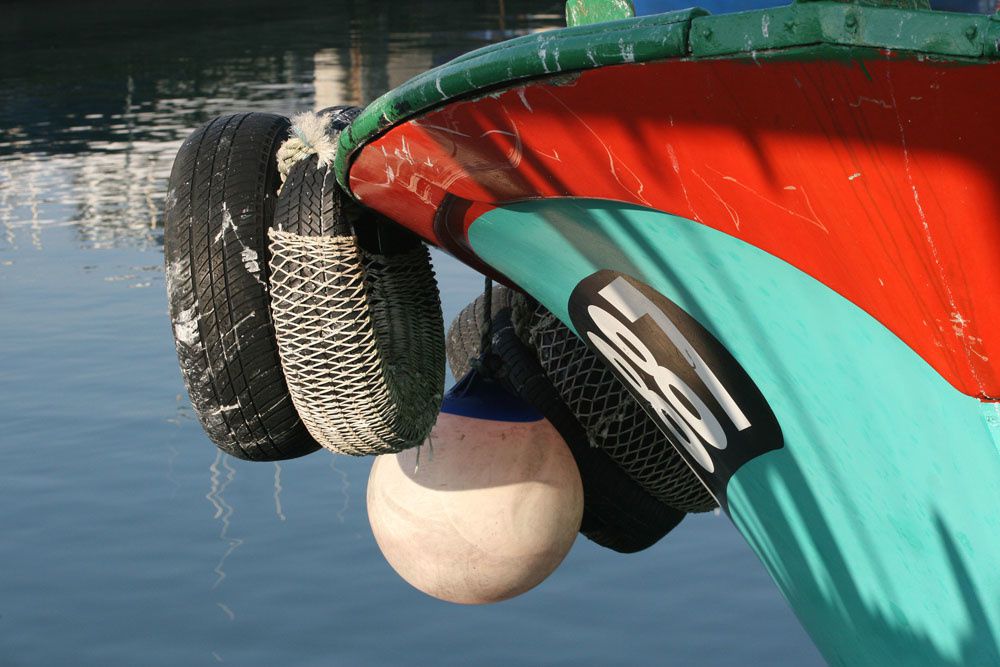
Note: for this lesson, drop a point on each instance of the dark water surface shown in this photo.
(125, 539)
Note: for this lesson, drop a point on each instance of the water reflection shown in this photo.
(345, 484)
(92, 128)
(88, 131)
(277, 492)
(223, 510)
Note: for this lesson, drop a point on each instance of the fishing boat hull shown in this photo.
(786, 250)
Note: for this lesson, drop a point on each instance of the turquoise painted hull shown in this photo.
(877, 518)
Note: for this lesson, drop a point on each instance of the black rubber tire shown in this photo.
(612, 417)
(220, 203)
(629, 436)
(618, 513)
(465, 334)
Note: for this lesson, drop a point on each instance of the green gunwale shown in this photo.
(690, 33)
(553, 52)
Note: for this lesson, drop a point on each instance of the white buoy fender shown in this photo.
(486, 510)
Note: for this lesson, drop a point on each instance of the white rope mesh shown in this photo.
(361, 341)
(613, 419)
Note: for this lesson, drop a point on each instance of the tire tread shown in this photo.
(221, 198)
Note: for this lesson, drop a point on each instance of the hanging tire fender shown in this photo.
(357, 315)
(220, 204)
(618, 513)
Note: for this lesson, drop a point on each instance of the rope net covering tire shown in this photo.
(360, 340)
(613, 419)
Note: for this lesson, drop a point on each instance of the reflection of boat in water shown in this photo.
(790, 212)
(778, 227)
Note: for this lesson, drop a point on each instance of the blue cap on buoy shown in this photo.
(479, 397)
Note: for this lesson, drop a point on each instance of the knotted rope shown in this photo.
(310, 135)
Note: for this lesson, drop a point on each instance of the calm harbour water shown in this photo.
(126, 539)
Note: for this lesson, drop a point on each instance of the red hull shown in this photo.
(879, 179)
